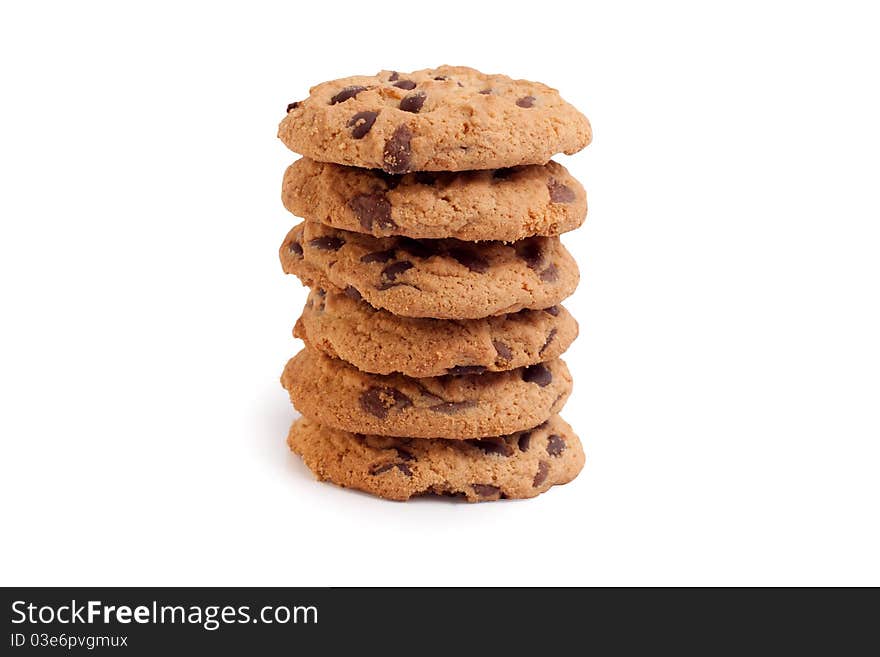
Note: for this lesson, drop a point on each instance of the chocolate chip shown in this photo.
(441, 77)
(392, 271)
(295, 249)
(526, 101)
(361, 123)
(413, 102)
(352, 293)
(403, 454)
(346, 93)
(524, 440)
(327, 243)
(485, 490)
(537, 374)
(439, 492)
(427, 394)
(321, 292)
(385, 467)
(292, 106)
(486, 92)
(394, 76)
(555, 445)
(550, 336)
(451, 408)
(378, 256)
(552, 310)
(503, 351)
(378, 400)
(550, 274)
(469, 259)
(372, 210)
(466, 369)
(492, 446)
(398, 151)
(541, 475)
(560, 193)
(387, 285)
(417, 248)
(531, 251)
(380, 468)
(405, 84)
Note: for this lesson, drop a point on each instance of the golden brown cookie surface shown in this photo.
(451, 118)
(444, 279)
(381, 343)
(501, 204)
(337, 395)
(520, 465)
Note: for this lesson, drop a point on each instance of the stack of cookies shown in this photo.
(433, 328)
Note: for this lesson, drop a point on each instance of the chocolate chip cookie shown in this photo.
(444, 279)
(377, 341)
(337, 395)
(500, 204)
(450, 118)
(520, 465)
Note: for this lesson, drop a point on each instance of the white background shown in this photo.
(726, 376)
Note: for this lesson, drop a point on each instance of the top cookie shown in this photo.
(452, 118)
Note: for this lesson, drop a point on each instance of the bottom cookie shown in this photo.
(521, 465)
